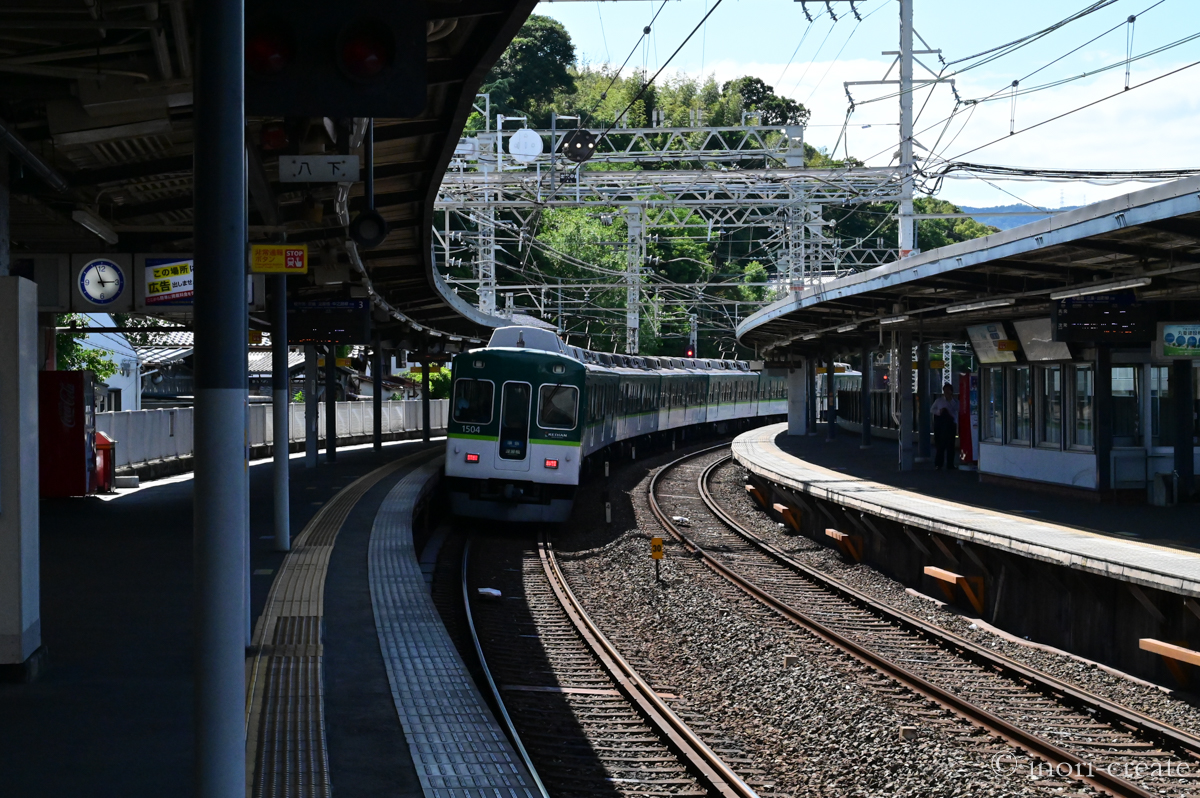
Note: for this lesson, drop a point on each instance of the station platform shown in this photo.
(1156, 547)
(340, 623)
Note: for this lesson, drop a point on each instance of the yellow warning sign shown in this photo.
(656, 548)
(279, 258)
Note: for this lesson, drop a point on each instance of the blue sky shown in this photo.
(1154, 126)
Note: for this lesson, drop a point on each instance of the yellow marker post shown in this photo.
(656, 554)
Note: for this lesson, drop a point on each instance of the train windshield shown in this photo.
(473, 401)
(556, 410)
(514, 421)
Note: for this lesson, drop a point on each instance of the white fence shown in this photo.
(143, 435)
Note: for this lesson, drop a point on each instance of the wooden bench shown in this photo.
(972, 586)
(850, 545)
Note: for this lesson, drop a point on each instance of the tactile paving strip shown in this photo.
(457, 746)
(286, 753)
(1147, 564)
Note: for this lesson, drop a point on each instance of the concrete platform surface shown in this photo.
(1150, 546)
(457, 746)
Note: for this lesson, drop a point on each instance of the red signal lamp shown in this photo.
(365, 50)
(273, 138)
(268, 53)
(690, 352)
(472, 457)
(551, 463)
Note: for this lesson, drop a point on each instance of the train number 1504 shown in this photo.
(471, 430)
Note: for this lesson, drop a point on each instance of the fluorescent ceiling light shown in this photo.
(93, 223)
(810, 336)
(1101, 288)
(847, 327)
(893, 319)
(984, 305)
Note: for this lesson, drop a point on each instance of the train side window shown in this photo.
(557, 406)
(473, 401)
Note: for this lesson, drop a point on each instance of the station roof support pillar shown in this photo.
(221, 488)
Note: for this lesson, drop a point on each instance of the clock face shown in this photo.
(101, 281)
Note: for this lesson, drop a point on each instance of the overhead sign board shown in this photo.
(279, 258)
(334, 321)
(318, 168)
(1037, 340)
(1104, 318)
(1181, 340)
(992, 344)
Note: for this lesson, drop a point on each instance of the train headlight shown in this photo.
(551, 463)
(472, 457)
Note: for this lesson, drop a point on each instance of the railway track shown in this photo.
(1078, 735)
(587, 721)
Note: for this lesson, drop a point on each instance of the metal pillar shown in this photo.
(904, 386)
(830, 394)
(311, 406)
(865, 383)
(331, 403)
(924, 403)
(1103, 417)
(1183, 393)
(810, 377)
(20, 611)
(281, 411)
(487, 257)
(220, 489)
(425, 429)
(636, 222)
(377, 393)
(908, 238)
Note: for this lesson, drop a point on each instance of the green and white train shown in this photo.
(528, 409)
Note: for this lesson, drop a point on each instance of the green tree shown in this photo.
(72, 355)
(534, 68)
(758, 96)
(439, 383)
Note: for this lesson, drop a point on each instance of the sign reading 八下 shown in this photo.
(279, 258)
(1180, 340)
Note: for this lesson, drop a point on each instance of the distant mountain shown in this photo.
(1005, 222)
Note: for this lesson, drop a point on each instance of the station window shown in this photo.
(1021, 406)
(1050, 406)
(993, 404)
(556, 406)
(1162, 419)
(1083, 394)
(473, 401)
(1126, 404)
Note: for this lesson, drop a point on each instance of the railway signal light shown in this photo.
(689, 352)
(578, 145)
(352, 58)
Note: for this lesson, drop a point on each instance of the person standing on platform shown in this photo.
(945, 425)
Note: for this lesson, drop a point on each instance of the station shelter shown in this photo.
(1083, 370)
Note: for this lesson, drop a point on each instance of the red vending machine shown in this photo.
(66, 433)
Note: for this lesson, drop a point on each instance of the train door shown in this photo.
(512, 454)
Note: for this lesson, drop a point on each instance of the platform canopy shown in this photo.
(1148, 241)
(96, 112)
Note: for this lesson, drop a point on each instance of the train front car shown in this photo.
(513, 443)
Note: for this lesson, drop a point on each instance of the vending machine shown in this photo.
(66, 433)
(968, 420)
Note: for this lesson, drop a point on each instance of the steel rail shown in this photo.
(1013, 735)
(1174, 737)
(706, 764)
(487, 672)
